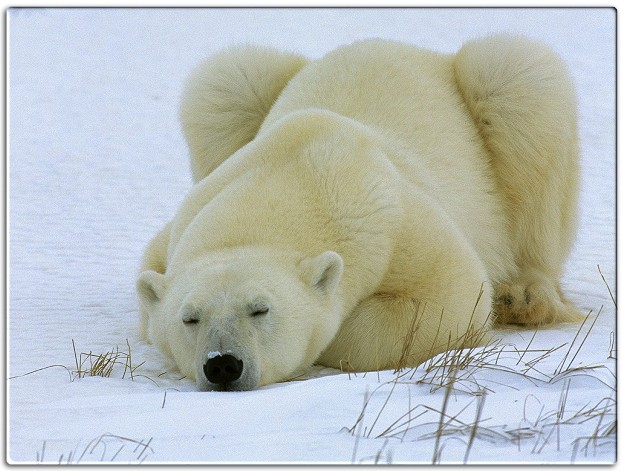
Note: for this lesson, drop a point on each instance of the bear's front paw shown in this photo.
(532, 301)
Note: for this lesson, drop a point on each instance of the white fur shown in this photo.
(376, 203)
(226, 99)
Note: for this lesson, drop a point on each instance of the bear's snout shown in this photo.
(222, 369)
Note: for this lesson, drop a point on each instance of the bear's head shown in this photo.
(239, 321)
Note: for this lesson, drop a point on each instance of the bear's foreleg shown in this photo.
(435, 297)
(154, 259)
(390, 331)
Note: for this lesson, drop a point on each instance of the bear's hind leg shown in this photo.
(226, 99)
(521, 98)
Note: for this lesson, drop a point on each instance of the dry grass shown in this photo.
(107, 448)
(102, 364)
(98, 364)
(456, 372)
(531, 435)
(410, 336)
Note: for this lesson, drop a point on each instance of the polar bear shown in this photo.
(363, 211)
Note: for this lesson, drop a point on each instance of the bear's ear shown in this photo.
(150, 287)
(323, 272)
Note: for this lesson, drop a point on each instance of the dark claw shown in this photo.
(507, 300)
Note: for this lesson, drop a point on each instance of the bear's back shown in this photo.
(409, 96)
(405, 92)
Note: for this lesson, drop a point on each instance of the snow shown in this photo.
(97, 164)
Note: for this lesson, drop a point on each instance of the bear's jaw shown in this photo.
(226, 387)
(232, 386)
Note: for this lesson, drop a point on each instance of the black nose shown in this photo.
(223, 369)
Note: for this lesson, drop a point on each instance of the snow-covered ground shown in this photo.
(97, 164)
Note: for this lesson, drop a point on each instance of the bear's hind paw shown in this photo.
(532, 303)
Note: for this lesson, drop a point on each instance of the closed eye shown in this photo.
(190, 316)
(260, 312)
(258, 307)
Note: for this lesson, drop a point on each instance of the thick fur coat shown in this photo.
(364, 211)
